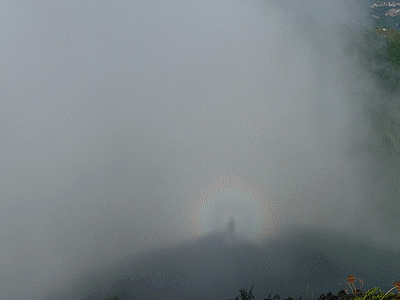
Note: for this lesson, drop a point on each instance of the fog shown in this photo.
(136, 126)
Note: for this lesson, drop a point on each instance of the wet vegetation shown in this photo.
(356, 294)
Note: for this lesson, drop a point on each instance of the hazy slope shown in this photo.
(208, 268)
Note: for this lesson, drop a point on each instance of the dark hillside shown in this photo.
(209, 269)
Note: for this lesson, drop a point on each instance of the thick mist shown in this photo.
(132, 126)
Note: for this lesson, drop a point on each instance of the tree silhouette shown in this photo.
(244, 294)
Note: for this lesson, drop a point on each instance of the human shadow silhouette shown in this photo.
(230, 235)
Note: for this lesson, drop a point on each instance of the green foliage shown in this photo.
(277, 297)
(328, 296)
(393, 40)
(372, 294)
(388, 59)
(378, 53)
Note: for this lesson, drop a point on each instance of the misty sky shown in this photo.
(143, 124)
